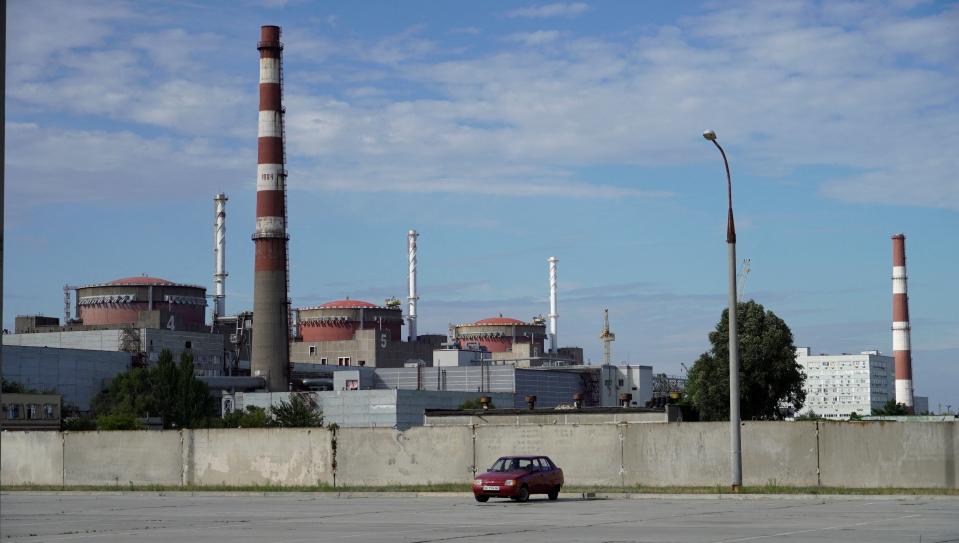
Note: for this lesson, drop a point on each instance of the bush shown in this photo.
(474, 404)
(253, 417)
(78, 424)
(296, 413)
(119, 421)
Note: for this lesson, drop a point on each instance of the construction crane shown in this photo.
(607, 337)
(741, 280)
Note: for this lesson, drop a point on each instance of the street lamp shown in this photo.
(735, 443)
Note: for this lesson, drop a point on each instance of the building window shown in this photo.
(620, 382)
(33, 411)
(343, 361)
(14, 411)
(362, 363)
(312, 350)
(323, 360)
(48, 411)
(188, 345)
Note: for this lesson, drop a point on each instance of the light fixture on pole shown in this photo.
(735, 442)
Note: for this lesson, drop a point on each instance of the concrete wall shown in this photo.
(883, 454)
(889, 454)
(31, 458)
(259, 456)
(588, 454)
(122, 458)
(418, 456)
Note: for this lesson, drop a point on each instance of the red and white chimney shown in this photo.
(271, 326)
(901, 349)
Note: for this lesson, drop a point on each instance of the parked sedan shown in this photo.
(516, 477)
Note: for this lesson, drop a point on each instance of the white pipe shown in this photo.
(411, 246)
(553, 315)
(219, 252)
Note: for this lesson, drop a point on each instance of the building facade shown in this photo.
(839, 385)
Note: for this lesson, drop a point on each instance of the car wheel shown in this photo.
(553, 494)
(523, 494)
(481, 499)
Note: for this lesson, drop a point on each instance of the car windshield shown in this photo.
(512, 464)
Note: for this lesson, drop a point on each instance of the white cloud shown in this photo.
(561, 9)
(534, 38)
(52, 164)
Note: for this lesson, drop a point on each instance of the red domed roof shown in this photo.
(141, 280)
(499, 320)
(348, 304)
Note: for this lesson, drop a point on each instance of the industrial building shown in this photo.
(29, 411)
(838, 385)
(76, 374)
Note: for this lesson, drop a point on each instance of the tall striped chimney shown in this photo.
(901, 349)
(270, 357)
(411, 249)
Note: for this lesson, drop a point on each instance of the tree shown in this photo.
(296, 413)
(770, 378)
(13, 387)
(167, 390)
(892, 409)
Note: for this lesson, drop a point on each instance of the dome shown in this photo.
(141, 280)
(499, 320)
(348, 304)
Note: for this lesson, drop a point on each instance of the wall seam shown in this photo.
(818, 457)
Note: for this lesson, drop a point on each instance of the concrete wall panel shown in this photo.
(778, 453)
(418, 456)
(682, 454)
(889, 454)
(31, 458)
(259, 456)
(122, 458)
(589, 454)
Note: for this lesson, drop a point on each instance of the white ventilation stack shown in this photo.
(411, 246)
(553, 315)
(219, 253)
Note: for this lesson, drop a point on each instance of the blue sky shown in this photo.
(505, 133)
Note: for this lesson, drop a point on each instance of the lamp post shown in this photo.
(735, 443)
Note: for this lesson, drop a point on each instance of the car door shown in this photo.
(550, 474)
(540, 482)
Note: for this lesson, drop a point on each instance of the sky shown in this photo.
(506, 133)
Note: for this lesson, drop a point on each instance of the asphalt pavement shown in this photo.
(291, 517)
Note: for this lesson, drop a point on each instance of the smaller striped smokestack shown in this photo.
(553, 315)
(901, 348)
(219, 252)
(411, 247)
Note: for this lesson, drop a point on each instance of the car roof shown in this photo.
(524, 456)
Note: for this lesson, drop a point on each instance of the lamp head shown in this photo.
(710, 135)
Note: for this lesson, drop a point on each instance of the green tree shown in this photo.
(770, 378)
(892, 409)
(296, 413)
(13, 387)
(166, 390)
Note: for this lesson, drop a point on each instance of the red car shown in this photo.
(516, 477)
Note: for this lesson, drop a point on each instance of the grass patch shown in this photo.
(465, 487)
